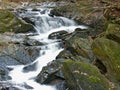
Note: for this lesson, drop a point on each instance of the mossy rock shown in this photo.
(107, 50)
(79, 47)
(82, 76)
(10, 23)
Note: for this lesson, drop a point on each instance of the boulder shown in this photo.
(107, 50)
(77, 48)
(83, 76)
(52, 75)
(14, 54)
(10, 23)
(58, 35)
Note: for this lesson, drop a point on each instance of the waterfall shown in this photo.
(44, 25)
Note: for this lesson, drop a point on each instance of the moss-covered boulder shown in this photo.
(82, 76)
(10, 23)
(107, 50)
(76, 48)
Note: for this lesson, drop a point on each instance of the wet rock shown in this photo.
(107, 48)
(82, 76)
(50, 73)
(10, 23)
(4, 73)
(57, 35)
(11, 86)
(26, 19)
(29, 68)
(31, 42)
(13, 54)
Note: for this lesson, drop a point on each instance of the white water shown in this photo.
(45, 25)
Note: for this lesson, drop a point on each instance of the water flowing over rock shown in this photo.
(21, 55)
(84, 11)
(56, 53)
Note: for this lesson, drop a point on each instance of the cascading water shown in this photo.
(45, 25)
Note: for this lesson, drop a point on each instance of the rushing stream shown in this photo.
(44, 25)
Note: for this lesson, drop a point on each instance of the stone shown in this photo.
(83, 76)
(107, 49)
(50, 73)
(10, 23)
(58, 35)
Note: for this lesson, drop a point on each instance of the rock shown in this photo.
(107, 49)
(10, 23)
(58, 35)
(77, 48)
(31, 42)
(29, 68)
(9, 37)
(26, 19)
(84, 11)
(82, 76)
(50, 73)
(14, 54)
(4, 73)
(8, 86)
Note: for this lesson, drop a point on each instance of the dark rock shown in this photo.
(50, 73)
(35, 9)
(26, 19)
(4, 73)
(32, 42)
(57, 35)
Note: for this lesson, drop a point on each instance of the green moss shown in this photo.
(108, 51)
(10, 23)
(86, 76)
(113, 28)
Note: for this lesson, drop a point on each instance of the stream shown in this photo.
(44, 25)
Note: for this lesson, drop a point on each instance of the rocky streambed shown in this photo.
(91, 56)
